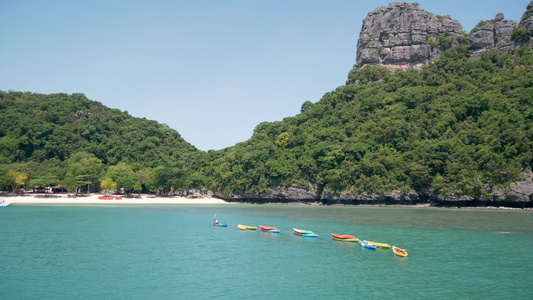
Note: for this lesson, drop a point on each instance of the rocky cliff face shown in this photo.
(492, 34)
(401, 35)
(519, 196)
(527, 19)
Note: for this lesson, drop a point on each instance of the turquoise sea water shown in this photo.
(173, 252)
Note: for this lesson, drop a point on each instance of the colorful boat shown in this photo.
(367, 245)
(220, 225)
(380, 245)
(304, 233)
(344, 238)
(244, 227)
(267, 228)
(399, 252)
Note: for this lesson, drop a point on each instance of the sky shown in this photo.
(210, 69)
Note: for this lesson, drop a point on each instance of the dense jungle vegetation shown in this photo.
(460, 126)
(69, 140)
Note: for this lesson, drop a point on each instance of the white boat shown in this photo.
(4, 203)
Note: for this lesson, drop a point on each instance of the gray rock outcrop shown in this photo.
(278, 194)
(518, 195)
(401, 35)
(492, 34)
(521, 193)
(527, 19)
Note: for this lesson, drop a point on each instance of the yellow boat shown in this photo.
(381, 245)
(244, 227)
(399, 252)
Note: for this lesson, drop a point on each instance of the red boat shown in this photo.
(267, 228)
(344, 238)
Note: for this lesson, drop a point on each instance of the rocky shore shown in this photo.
(519, 195)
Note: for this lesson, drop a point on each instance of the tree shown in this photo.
(83, 169)
(45, 181)
(124, 177)
(143, 177)
(306, 105)
(520, 34)
(283, 139)
(108, 184)
(16, 179)
(161, 180)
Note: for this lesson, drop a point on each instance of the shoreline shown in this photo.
(93, 199)
(177, 200)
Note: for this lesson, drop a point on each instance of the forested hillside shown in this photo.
(460, 126)
(44, 137)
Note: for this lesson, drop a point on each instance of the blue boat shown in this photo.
(220, 225)
(3, 203)
(313, 235)
(273, 231)
(367, 245)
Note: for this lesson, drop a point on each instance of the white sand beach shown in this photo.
(93, 199)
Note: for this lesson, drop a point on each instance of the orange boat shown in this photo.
(399, 252)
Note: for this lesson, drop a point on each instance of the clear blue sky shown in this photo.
(210, 69)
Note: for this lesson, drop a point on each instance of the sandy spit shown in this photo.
(93, 199)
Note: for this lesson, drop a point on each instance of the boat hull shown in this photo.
(367, 245)
(244, 227)
(304, 233)
(220, 225)
(381, 245)
(399, 252)
(344, 238)
(267, 228)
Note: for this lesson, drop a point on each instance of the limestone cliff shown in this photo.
(519, 196)
(527, 19)
(401, 35)
(492, 34)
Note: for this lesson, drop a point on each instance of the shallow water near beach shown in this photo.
(173, 252)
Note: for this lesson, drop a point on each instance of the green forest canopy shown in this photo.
(460, 126)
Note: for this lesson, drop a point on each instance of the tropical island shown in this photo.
(428, 115)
